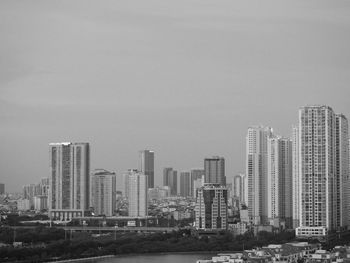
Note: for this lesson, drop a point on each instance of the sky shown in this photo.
(184, 78)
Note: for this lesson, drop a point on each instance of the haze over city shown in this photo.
(182, 78)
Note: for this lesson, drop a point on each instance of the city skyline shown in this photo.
(184, 78)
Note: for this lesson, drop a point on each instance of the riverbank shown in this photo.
(92, 259)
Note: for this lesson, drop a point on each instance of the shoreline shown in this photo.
(138, 254)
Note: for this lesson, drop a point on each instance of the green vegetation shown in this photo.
(84, 245)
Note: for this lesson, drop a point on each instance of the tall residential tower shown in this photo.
(256, 171)
(69, 180)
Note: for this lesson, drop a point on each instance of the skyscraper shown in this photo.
(214, 170)
(170, 179)
(211, 207)
(2, 189)
(279, 181)
(342, 169)
(256, 171)
(69, 180)
(138, 189)
(296, 178)
(103, 192)
(185, 184)
(146, 165)
(323, 154)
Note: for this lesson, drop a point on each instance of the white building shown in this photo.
(296, 178)
(103, 192)
(40, 202)
(323, 154)
(69, 180)
(197, 183)
(256, 171)
(138, 189)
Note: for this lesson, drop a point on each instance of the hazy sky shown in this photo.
(184, 78)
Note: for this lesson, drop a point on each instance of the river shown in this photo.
(158, 258)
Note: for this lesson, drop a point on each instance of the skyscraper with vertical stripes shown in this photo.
(256, 171)
(69, 180)
(323, 168)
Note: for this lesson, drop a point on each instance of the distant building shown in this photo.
(137, 194)
(185, 184)
(214, 170)
(125, 182)
(2, 189)
(23, 205)
(40, 202)
(146, 165)
(196, 173)
(170, 179)
(198, 183)
(211, 207)
(103, 192)
(158, 193)
(69, 180)
(240, 188)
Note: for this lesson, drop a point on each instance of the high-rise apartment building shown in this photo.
(170, 179)
(146, 165)
(323, 167)
(2, 189)
(69, 180)
(342, 170)
(125, 182)
(211, 207)
(185, 184)
(295, 178)
(196, 173)
(240, 188)
(256, 172)
(138, 189)
(103, 192)
(214, 170)
(279, 181)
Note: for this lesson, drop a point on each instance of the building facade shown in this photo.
(256, 171)
(103, 192)
(295, 178)
(240, 188)
(170, 179)
(69, 180)
(185, 184)
(138, 190)
(146, 165)
(323, 168)
(279, 181)
(211, 207)
(196, 173)
(214, 170)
